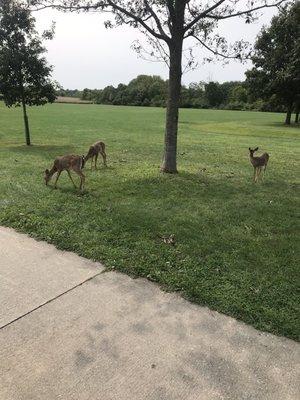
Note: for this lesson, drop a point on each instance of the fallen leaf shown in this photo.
(168, 239)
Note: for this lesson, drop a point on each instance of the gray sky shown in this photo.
(85, 54)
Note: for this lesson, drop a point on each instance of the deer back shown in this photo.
(95, 149)
(259, 161)
(68, 162)
(99, 146)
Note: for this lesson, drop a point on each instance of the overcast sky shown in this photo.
(85, 54)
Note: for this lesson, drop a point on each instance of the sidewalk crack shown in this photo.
(52, 299)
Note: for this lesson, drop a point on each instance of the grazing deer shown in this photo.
(258, 163)
(66, 163)
(94, 150)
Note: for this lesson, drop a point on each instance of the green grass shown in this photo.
(236, 244)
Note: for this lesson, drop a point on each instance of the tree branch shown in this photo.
(156, 19)
(216, 53)
(115, 7)
(206, 13)
(245, 12)
(203, 15)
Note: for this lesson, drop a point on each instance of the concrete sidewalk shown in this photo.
(69, 330)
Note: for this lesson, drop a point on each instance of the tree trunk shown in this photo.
(169, 164)
(27, 133)
(289, 114)
(26, 125)
(297, 114)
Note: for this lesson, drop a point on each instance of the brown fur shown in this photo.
(258, 163)
(66, 163)
(94, 150)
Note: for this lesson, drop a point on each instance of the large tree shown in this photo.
(167, 24)
(277, 61)
(24, 72)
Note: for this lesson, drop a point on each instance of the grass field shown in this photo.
(236, 244)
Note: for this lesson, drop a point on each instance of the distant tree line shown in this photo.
(273, 84)
(152, 91)
(68, 92)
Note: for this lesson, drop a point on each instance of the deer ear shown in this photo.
(249, 148)
(47, 171)
(256, 149)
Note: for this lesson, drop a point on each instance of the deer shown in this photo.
(94, 150)
(258, 162)
(66, 163)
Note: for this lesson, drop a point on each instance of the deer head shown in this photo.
(252, 151)
(47, 176)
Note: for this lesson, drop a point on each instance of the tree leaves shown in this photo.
(24, 71)
(277, 58)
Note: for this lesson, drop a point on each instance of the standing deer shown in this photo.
(66, 163)
(94, 150)
(258, 163)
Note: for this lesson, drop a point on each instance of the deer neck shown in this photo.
(52, 171)
(252, 159)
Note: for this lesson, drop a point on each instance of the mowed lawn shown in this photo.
(236, 246)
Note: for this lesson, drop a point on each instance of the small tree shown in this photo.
(277, 60)
(24, 72)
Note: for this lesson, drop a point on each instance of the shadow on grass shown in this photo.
(149, 202)
(68, 188)
(189, 123)
(283, 125)
(56, 150)
(100, 168)
(63, 188)
(197, 185)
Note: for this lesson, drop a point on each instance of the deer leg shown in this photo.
(104, 157)
(57, 176)
(70, 176)
(92, 162)
(264, 171)
(259, 172)
(254, 175)
(82, 178)
(96, 158)
(82, 181)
